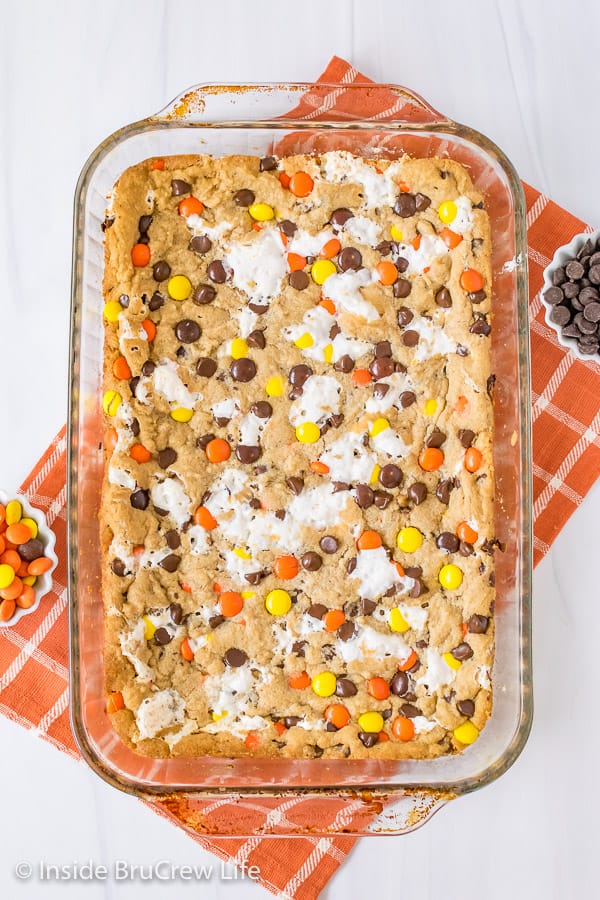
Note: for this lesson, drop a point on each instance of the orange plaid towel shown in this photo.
(566, 414)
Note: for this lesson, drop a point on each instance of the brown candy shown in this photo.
(161, 270)
(350, 258)
(245, 197)
(299, 280)
(216, 272)
(345, 688)
(328, 544)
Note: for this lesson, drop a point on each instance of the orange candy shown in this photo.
(26, 598)
(361, 377)
(190, 206)
(121, 369)
(378, 688)
(337, 714)
(450, 238)
(329, 305)
(39, 566)
(471, 281)
(369, 540)
(186, 650)
(286, 567)
(11, 558)
(403, 728)
(18, 533)
(416, 243)
(330, 249)
(2, 545)
(403, 187)
(299, 682)
(110, 440)
(382, 737)
(465, 533)
(431, 459)
(140, 255)
(409, 662)
(230, 603)
(252, 742)
(13, 590)
(296, 262)
(157, 165)
(2, 513)
(333, 619)
(114, 702)
(218, 450)
(279, 727)
(301, 184)
(473, 459)
(386, 272)
(140, 453)
(22, 570)
(319, 467)
(284, 178)
(205, 518)
(7, 610)
(150, 329)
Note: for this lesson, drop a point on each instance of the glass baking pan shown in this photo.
(388, 797)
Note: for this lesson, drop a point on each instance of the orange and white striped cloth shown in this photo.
(566, 452)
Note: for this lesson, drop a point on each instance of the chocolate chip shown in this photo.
(176, 611)
(298, 280)
(216, 272)
(422, 202)
(317, 611)
(351, 565)
(166, 457)
(574, 270)
(477, 296)
(247, 453)
(335, 420)
(591, 312)
(382, 499)
(404, 316)
(206, 367)
(402, 287)
(588, 349)
(443, 298)
(133, 384)
(117, 565)
(594, 274)
(156, 301)
(417, 492)
(173, 540)
(290, 721)
(367, 607)
(344, 687)
(442, 492)
(256, 338)
(299, 374)
(585, 326)
(589, 295)
(179, 187)
(245, 197)
(243, 369)
(480, 325)
(435, 439)
(410, 711)
(405, 205)
(461, 350)
(295, 484)
(258, 308)
(571, 290)
(161, 270)
(364, 496)
(399, 684)
(381, 367)
(254, 577)
(148, 368)
(477, 624)
(390, 476)
(560, 315)
(558, 276)
(407, 398)
(267, 164)
(139, 499)
(162, 637)
(187, 331)
(380, 390)
(262, 409)
(328, 544)
(170, 563)
(466, 708)
(144, 223)
(234, 657)
(298, 647)
(344, 364)
(447, 541)
(466, 437)
(201, 243)
(135, 425)
(466, 549)
(463, 651)
(288, 228)
(368, 738)
(311, 561)
(347, 631)
(215, 621)
(340, 216)
(410, 338)
(350, 258)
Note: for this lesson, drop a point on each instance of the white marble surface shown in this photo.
(523, 73)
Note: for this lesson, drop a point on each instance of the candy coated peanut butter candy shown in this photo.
(278, 602)
(371, 722)
(14, 512)
(450, 577)
(7, 575)
(324, 684)
(179, 287)
(467, 733)
(409, 539)
(111, 402)
(261, 212)
(112, 311)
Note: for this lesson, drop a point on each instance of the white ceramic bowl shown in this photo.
(48, 539)
(562, 255)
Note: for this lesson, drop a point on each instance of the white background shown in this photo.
(524, 73)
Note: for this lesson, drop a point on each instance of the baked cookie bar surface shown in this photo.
(297, 509)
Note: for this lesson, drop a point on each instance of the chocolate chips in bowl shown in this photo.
(571, 295)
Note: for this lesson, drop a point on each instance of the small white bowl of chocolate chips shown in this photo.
(571, 296)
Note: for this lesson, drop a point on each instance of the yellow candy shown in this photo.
(371, 722)
(112, 311)
(321, 270)
(430, 407)
(247, 595)
(32, 525)
(409, 539)
(149, 628)
(14, 511)
(181, 414)
(396, 620)
(261, 212)
(179, 287)
(450, 577)
(378, 426)
(278, 602)
(29, 580)
(239, 348)
(275, 386)
(328, 353)
(243, 554)
(111, 402)
(7, 576)
(305, 341)
(447, 211)
(452, 662)
(375, 473)
(324, 684)
(308, 432)
(396, 234)
(466, 733)
(216, 716)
